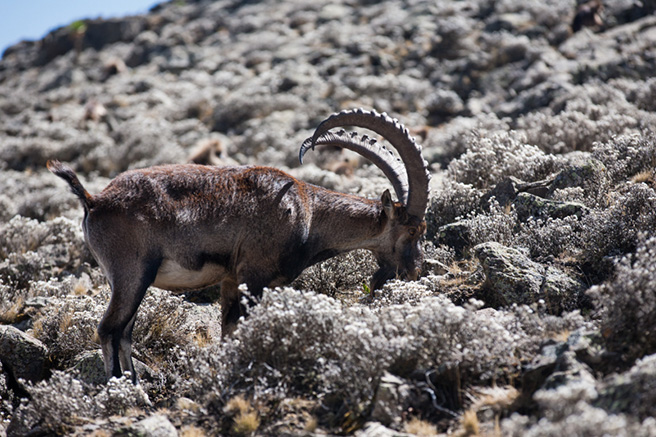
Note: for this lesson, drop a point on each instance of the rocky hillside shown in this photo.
(536, 310)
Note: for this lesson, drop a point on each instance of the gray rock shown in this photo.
(375, 429)
(90, 367)
(560, 291)
(509, 22)
(23, 355)
(528, 205)
(156, 425)
(556, 366)
(577, 175)
(569, 370)
(4, 390)
(539, 369)
(391, 400)
(511, 276)
(506, 191)
(588, 346)
(456, 235)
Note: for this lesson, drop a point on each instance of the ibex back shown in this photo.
(184, 227)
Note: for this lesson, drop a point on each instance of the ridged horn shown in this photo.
(369, 148)
(415, 197)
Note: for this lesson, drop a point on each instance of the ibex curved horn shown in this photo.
(383, 158)
(411, 187)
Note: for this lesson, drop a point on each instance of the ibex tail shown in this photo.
(67, 174)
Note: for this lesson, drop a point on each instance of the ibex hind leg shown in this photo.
(115, 329)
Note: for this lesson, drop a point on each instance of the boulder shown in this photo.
(22, 355)
(528, 205)
(90, 367)
(560, 291)
(509, 188)
(375, 429)
(556, 366)
(512, 277)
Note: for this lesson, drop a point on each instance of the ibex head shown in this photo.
(397, 248)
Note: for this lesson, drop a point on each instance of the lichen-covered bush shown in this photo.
(614, 231)
(454, 138)
(627, 155)
(68, 328)
(497, 225)
(161, 326)
(340, 274)
(587, 114)
(58, 405)
(36, 251)
(582, 420)
(489, 160)
(627, 303)
(551, 237)
(304, 344)
(574, 403)
(449, 201)
(631, 392)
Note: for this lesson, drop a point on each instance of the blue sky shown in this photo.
(32, 19)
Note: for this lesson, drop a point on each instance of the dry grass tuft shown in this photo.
(311, 425)
(246, 424)
(237, 405)
(14, 313)
(66, 322)
(420, 427)
(561, 335)
(646, 176)
(202, 337)
(470, 423)
(246, 420)
(192, 431)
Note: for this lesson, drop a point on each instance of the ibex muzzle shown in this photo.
(184, 227)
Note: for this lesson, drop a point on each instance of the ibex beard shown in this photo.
(185, 227)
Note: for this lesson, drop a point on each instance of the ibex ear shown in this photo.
(388, 204)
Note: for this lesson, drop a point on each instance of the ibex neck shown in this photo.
(342, 222)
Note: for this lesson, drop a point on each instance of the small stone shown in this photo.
(156, 425)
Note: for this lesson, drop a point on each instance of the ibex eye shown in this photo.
(412, 232)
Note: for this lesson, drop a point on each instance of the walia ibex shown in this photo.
(183, 227)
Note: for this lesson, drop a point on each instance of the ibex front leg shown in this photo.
(232, 307)
(115, 329)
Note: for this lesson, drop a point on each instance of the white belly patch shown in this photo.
(172, 276)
